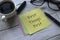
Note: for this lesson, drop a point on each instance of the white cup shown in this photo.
(7, 9)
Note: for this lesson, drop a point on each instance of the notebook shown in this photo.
(33, 21)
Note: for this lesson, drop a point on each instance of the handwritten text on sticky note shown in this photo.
(34, 20)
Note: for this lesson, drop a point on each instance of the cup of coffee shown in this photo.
(7, 9)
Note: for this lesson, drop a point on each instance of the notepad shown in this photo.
(34, 21)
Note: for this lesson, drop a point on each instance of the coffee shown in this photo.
(6, 7)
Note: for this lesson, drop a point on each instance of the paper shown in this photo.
(34, 20)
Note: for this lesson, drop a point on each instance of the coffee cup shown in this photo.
(7, 9)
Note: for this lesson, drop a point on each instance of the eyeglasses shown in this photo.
(52, 4)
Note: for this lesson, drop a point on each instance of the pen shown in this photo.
(21, 7)
(53, 19)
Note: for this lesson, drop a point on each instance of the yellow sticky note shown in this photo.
(34, 20)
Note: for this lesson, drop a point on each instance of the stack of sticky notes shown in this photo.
(34, 21)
